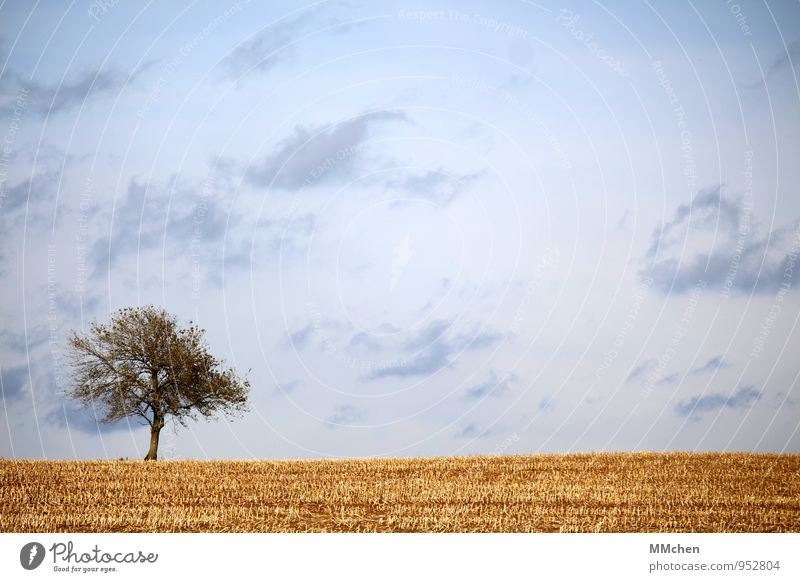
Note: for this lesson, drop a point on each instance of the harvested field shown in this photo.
(606, 492)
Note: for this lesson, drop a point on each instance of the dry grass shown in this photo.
(630, 492)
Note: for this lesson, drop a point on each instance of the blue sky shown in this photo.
(424, 228)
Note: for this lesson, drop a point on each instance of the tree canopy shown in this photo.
(143, 364)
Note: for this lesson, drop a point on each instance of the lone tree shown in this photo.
(143, 364)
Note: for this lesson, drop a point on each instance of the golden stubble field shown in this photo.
(615, 492)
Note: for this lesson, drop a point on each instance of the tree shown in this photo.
(142, 364)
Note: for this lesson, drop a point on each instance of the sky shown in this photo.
(419, 228)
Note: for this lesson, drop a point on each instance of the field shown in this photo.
(615, 492)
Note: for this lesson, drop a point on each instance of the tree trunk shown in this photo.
(155, 429)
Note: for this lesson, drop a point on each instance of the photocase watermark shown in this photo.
(501, 447)
(196, 240)
(168, 440)
(82, 236)
(521, 107)
(316, 174)
(183, 52)
(546, 264)
(744, 226)
(569, 20)
(777, 305)
(330, 347)
(680, 332)
(329, 163)
(741, 20)
(6, 151)
(678, 113)
(476, 18)
(627, 326)
(31, 555)
(53, 337)
(498, 450)
(100, 8)
(69, 560)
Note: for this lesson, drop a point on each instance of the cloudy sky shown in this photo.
(424, 227)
